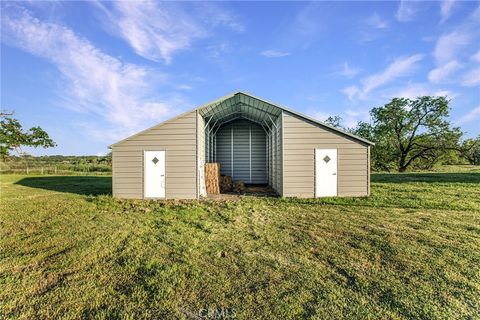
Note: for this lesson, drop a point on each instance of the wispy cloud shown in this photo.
(453, 52)
(274, 53)
(446, 7)
(448, 45)
(93, 81)
(184, 87)
(372, 28)
(400, 67)
(375, 21)
(218, 49)
(352, 117)
(319, 115)
(158, 30)
(351, 92)
(471, 78)
(440, 73)
(407, 10)
(476, 56)
(307, 25)
(472, 115)
(415, 90)
(347, 71)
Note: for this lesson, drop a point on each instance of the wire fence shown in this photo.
(56, 170)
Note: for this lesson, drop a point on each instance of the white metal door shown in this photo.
(154, 174)
(325, 172)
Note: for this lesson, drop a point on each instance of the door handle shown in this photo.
(334, 174)
(162, 175)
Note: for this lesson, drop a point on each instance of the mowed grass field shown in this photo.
(410, 251)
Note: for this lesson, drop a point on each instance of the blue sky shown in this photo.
(92, 73)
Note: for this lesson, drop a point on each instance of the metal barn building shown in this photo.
(255, 141)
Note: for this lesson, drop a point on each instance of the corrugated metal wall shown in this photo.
(259, 155)
(248, 148)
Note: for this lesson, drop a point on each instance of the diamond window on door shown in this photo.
(326, 159)
(155, 160)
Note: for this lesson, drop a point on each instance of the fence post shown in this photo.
(55, 169)
(42, 170)
(27, 170)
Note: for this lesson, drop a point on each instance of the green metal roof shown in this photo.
(241, 105)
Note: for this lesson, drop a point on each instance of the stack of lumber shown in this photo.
(226, 184)
(212, 178)
(239, 187)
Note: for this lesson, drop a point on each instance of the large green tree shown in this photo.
(407, 131)
(470, 150)
(13, 136)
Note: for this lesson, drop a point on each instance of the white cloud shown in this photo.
(440, 73)
(351, 92)
(349, 117)
(448, 45)
(352, 117)
(446, 7)
(456, 46)
(400, 67)
(158, 30)
(319, 115)
(406, 11)
(476, 57)
(184, 87)
(471, 78)
(474, 114)
(348, 71)
(377, 22)
(216, 50)
(415, 90)
(93, 82)
(273, 53)
(216, 16)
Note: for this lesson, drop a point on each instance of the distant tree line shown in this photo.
(57, 163)
(414, 133)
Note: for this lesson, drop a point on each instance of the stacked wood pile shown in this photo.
(212, 178)
(226, 184)
(239, 187)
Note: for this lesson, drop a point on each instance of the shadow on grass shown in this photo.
(429, 177)
(87, 185)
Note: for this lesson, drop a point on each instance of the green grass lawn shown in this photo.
(410, 251)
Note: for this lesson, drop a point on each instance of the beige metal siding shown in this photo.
(178, 138)
(301, 138)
